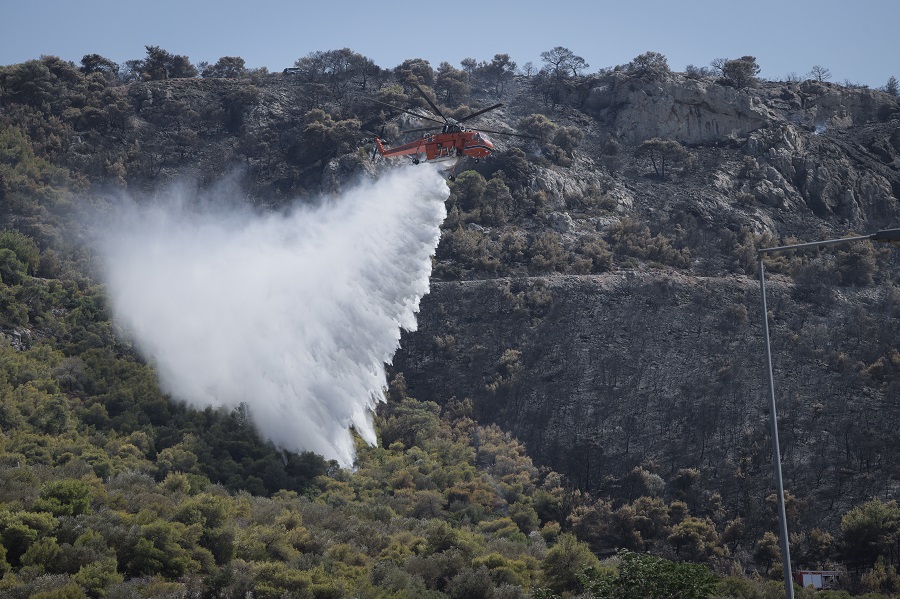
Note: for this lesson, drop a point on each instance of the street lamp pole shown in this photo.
(776, 450)
(886, 235)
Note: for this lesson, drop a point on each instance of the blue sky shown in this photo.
(857, 41)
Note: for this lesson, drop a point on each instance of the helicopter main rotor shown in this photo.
(446, 122)
(448, 125)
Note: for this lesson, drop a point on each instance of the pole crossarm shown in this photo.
(887, 236)
(884, 236)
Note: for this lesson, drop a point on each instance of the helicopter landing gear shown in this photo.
(415, 161)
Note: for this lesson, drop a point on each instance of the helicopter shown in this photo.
(454, 142)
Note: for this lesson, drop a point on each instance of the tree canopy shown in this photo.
(563, 63)
(741, 72)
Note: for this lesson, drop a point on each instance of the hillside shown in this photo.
(594, 306)
(659, 361)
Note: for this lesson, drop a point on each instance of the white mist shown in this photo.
(293, 314)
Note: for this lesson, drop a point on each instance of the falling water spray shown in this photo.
(292, 314)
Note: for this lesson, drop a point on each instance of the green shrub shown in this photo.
(65, 498)
(565, 564)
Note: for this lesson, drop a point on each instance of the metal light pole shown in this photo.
(886, 235)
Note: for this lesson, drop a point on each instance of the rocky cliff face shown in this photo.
(850, 172)
(702, 111)
(687, 110)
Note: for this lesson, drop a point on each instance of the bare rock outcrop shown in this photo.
(828, 105)
(690, 111)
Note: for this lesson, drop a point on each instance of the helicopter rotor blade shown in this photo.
(430, 103)
(419, 129)
(509, 134)
(427, 118)
(482, 111)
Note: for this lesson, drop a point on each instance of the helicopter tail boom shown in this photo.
(413, 147)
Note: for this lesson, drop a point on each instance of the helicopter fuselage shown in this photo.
(452, 142)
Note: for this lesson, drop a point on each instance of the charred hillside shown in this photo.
(657, 364)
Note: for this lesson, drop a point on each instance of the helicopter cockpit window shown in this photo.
(477, 136)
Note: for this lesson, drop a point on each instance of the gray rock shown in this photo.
(687, 110)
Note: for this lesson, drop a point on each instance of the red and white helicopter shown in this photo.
(454, 142)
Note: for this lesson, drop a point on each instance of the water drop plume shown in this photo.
(293, 314)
